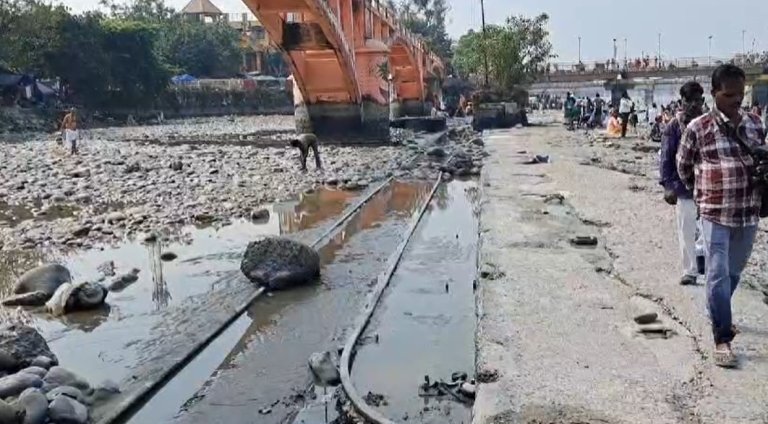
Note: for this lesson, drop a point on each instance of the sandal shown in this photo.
(726, 358)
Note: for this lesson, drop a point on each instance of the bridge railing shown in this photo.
(651, 65)
(389, 15)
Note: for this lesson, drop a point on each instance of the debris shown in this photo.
(584, 241)
(646, 318)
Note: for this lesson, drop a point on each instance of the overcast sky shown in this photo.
(684, 24)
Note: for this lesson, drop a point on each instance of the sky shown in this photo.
(684, 25)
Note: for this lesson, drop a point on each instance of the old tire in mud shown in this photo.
(280, 263)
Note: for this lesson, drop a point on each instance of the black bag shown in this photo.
(757, 157)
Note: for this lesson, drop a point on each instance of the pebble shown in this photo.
(13, 385)
(165, 170)
(35, 406)
(59, 376)
(42, 362)
(38, 371)
(68, 410)
(9, 414)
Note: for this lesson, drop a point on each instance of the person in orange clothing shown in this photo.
(614, 125)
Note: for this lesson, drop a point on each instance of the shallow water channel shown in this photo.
(424, 324)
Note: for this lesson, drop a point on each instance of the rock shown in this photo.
(46, 278)
(80, 173)
(86, 296)
(260, 215)
(42, 362)
(478, 142)
(324, 369)
(107, 268)
(24, 344)
(280, 263)
(59, 376)
(68, 391)
(7, 362)
(36, 298)
(150, 238)
(177, 165)
(67, 410)
(646, 318)
(123, 281)
(103, 392)
(437, 152)
(468, 390)
(35, 406)
(81, 231)
(14, 384)
(115, 217)
(9, 414)
(168, 256)
(584, 241)
(38, 371)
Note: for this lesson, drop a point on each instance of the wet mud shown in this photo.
(425, 322)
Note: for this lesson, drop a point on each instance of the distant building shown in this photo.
(202, 10)
(258, 54)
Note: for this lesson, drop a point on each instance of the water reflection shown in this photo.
(12, 215)
(106, 343)
(160, 293)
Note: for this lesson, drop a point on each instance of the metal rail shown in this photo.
(125, 409)
(358, 402)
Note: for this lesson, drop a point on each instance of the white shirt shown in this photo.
(625, 106)
(652, 114)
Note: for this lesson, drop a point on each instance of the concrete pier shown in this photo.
(366, 122)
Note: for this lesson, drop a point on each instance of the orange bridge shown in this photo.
(353, 65)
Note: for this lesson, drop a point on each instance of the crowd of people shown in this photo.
(714, 172)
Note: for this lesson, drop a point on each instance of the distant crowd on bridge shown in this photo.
(648, 63)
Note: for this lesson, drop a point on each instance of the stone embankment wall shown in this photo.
(181, 102)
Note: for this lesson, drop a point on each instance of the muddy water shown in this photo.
(114, 342)
(261, 363)
(425, 322)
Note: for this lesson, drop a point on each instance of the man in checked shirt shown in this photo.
(712, 161)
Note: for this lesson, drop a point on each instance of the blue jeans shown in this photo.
(727, 251)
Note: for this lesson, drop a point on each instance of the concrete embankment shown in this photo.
(556, 336)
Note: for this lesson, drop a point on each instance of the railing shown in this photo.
(652, 64)
(389, 15)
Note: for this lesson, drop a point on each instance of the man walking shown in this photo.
(714, 158)
(69, 128)
(675, 192)
(625, 109)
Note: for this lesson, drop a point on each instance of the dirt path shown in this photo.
(557, 325)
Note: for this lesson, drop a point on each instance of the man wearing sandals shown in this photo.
(713, 160)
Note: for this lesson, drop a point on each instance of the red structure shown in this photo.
(350, 59)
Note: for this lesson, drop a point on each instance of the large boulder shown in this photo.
(24, 344)
(45, 278)
(280, 263)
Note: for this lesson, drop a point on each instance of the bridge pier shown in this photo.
(401, 108)
(368, 121)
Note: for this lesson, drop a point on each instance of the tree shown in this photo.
(515, 51)
(201, 49)
(427, 18)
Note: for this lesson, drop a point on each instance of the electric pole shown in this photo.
(485, 42)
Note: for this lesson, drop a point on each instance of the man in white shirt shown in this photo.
(653, 112)
(625, 109)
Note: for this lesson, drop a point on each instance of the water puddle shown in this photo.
(109, 343)
(260, 361)
(425, 323)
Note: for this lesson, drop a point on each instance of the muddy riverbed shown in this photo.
(203, 190)
(135, 180)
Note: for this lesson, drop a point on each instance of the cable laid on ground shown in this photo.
(358, 402)
(125, 409)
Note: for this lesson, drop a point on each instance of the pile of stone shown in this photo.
(464, 153)
(34, 389)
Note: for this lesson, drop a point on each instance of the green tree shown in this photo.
(515, 51)
(427, 18)
(201, 49)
